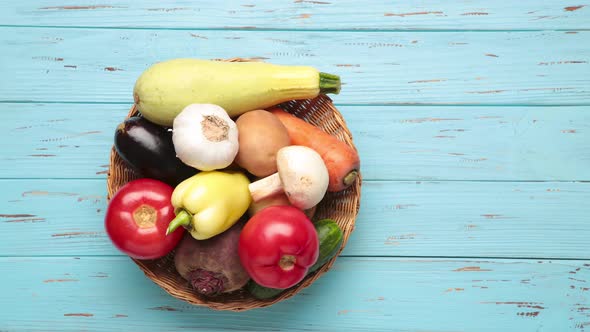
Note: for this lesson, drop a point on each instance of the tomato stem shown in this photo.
(287, 262)
(145, 216)
(183, 218)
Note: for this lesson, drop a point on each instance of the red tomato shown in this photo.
(137, 218)
(277, 246)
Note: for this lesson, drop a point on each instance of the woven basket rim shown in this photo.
(250, 302)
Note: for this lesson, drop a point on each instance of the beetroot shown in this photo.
(212, 266)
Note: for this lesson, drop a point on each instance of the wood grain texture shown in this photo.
(299, 14)
(444, 219)
(394, 142)
(496, 68)
(106, 293)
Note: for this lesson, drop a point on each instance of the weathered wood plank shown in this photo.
(452, 219)
(395, 142)
(105, 293)
(289, 14)
(376, 67)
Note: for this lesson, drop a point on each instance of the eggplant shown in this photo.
(148, 149)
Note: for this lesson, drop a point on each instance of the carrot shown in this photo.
(342, 161)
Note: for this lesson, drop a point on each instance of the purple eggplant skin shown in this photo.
(148, 149)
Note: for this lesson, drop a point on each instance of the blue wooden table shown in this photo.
(472, 119)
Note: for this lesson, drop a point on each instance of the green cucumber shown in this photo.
(330, 238)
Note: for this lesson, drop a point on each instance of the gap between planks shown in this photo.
(129, 103)
(364, 180)
(238, 29)
(473, 259)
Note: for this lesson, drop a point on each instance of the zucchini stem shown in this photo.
(329, 83)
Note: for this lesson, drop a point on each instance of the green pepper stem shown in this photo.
(183, 218)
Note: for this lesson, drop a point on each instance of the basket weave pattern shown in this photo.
(342, 207)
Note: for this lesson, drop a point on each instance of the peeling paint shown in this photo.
(438, 13)
(473, 160)
(112, 69)
(520, 304)
(166, 9)
(573, 8)
(76, 234)
(46, 193)
(60, 280)
(82, 314)
(304, 16)
(42, 155)
(410, 236)
(545, 89)
(70, 66)
(447, 130)
(569, 131)
(100, 275)
(79, 7)
(492, 55)
(404, 206)
(529, 314)
(379, 298)
(71, 136)
(22, 215)
(94, 198)
(120, 316)
(475, 14)
(489, 117)
(429, 81)
(550, 63)
(47, 58)
(313, 2)
(373, 45)
(347, 65)
(26, 220)
(448, 290)
(164, 308)
(493, 216)
(421, 120)
(471, 269)
(486, 91)
(198, 36)
(345, 312)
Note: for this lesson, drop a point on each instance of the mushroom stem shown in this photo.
(266, 187)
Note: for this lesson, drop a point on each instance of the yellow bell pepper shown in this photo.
(209, 203)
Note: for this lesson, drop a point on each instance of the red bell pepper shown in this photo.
(277, 246)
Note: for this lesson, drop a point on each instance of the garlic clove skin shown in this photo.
(205, 137)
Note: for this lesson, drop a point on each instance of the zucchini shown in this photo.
(330, 238)
(165, 88)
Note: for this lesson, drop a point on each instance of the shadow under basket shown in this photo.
(341, 206)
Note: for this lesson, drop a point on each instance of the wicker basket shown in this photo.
(341, 206)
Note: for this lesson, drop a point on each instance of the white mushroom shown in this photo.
(302, 175)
